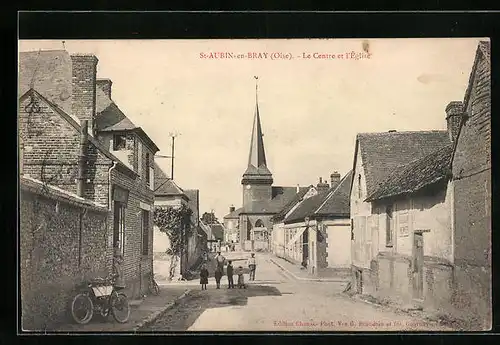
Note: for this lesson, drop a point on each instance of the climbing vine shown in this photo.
(174, 222)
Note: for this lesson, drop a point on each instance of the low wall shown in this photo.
(61, 245)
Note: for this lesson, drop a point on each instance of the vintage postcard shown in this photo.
(255, 185)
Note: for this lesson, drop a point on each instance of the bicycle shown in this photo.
(99, 296)
(153, 286)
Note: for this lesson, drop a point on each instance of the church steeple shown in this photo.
(257, 170)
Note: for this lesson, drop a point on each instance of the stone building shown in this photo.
(471, 168)
(376, 156)
(421, 210)
(73, 136)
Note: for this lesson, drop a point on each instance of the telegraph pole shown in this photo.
(172, 156)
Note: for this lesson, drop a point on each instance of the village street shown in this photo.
(277, 301)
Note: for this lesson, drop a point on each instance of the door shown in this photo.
(418, 265)
(305, 247)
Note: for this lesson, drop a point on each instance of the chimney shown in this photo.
(334, 178)
(80, 186)
(231, 209)
(392, 131)
(322, 186)
(454, 111)
(84, 71)
(105, 85)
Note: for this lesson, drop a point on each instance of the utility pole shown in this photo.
(172, 156)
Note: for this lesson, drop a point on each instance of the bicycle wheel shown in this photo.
(120, 307)
(82, 309)
(154, 288)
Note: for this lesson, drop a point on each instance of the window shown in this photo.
(146, 169)
(389, 227)
(359, 186)
(259, 224)
(145, 232)
(119, 225)
(119, 142)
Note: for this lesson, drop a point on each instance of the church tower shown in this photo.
(257, 180)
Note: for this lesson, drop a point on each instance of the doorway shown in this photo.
(305, 247)
(418, 265)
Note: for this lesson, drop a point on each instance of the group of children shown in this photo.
(239, 273)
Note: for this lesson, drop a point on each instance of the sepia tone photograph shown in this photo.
(277, 185)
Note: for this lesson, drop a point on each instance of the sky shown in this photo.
(311, 108)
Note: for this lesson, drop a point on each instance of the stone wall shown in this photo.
(57, 253)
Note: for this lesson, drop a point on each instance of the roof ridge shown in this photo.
(331, 193)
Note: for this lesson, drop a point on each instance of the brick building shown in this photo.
(73, 136)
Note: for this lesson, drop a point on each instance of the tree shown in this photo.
(175, 222)
(209, 218)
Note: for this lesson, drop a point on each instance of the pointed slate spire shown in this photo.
(257, 156)
(257, 164)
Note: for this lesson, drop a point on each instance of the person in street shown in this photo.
(230, 282)
(203, 277)
(117, 266)
(220, 261)
(218, 276)
(252, 265)
(241, 278)
(205, 256)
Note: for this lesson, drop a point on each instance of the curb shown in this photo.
(156, 315)
(308, 279)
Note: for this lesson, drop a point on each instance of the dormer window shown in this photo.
(119, 142)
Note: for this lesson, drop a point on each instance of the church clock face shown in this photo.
(248, 186)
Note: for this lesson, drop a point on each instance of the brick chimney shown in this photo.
(334, 178)
(322, 186)
(84, 70)
(454, 111)
(105, 85)
(231, 209)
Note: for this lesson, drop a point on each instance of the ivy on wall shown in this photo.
(174, 222)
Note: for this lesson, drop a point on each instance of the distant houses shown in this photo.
(314, 230)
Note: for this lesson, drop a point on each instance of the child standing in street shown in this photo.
(230, 282)
(204, 277)
(241, 279)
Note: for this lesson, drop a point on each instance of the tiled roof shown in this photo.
(281, 196)
(38, 187)
(381, 153)
(298, 196)
(217, 231)
(306, 208)
(49, 73)
(169, 188)
(113, 119)
(416, 175)
(234, 214)
(164, 185)
(336, 203)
